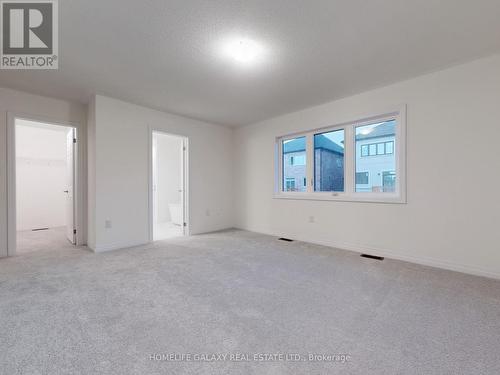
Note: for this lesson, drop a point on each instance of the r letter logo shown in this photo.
(29, 37)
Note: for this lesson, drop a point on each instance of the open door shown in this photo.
(70, 183)
(168, 183)
(182, 189)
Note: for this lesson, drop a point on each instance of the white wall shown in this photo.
(91, 174)
(41, 175)
(169, 158)
(12, 101)
(121, 172)
(453, 211)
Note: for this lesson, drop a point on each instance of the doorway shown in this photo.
(44, 175)
(168, 186)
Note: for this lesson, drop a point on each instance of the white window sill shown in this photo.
(343, 197)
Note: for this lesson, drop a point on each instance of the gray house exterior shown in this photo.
(328, 165)
(294, 165)
(375, 159)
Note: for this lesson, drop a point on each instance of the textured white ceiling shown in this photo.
(164, 54)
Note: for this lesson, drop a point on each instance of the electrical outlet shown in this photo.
(311, 219)
(108, 224)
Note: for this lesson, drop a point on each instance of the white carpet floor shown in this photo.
(166, 230)
(52, 238)
(65, 310)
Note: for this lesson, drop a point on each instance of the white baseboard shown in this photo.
(425, 261)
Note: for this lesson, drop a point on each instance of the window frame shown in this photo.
(349, 194)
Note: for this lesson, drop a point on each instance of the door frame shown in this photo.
(78, 204)
(185, 176)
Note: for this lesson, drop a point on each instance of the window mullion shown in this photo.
(310, 162)
(279, 166)
(349, 160)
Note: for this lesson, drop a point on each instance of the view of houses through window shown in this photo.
(294, 164)
(375, 160)
(329, 161)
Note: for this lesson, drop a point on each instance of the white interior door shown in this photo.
(182, 189)
(70, 183)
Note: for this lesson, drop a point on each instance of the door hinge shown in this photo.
(185, 224)
(183, 148)
(74, 231)
(74, 140)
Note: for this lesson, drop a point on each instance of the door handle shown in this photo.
(66, 191)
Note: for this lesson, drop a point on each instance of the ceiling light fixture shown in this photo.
(243, 51)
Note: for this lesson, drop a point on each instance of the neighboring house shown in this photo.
(294, 165)
(375, 161)
(328, 165)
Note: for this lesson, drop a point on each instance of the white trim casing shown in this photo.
(185, 181)
(11, 184)
(349, 194)
(79, 165)
(309, 164)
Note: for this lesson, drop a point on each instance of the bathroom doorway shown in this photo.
(168, 185)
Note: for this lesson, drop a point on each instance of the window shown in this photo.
(294, 163)
(290, 184)
(329, 161)
(388, 181)
(298, 160)
(380, 148)
(374, 149)
(389, 147)
(357, 161)
(361, 178)
(364, 150)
